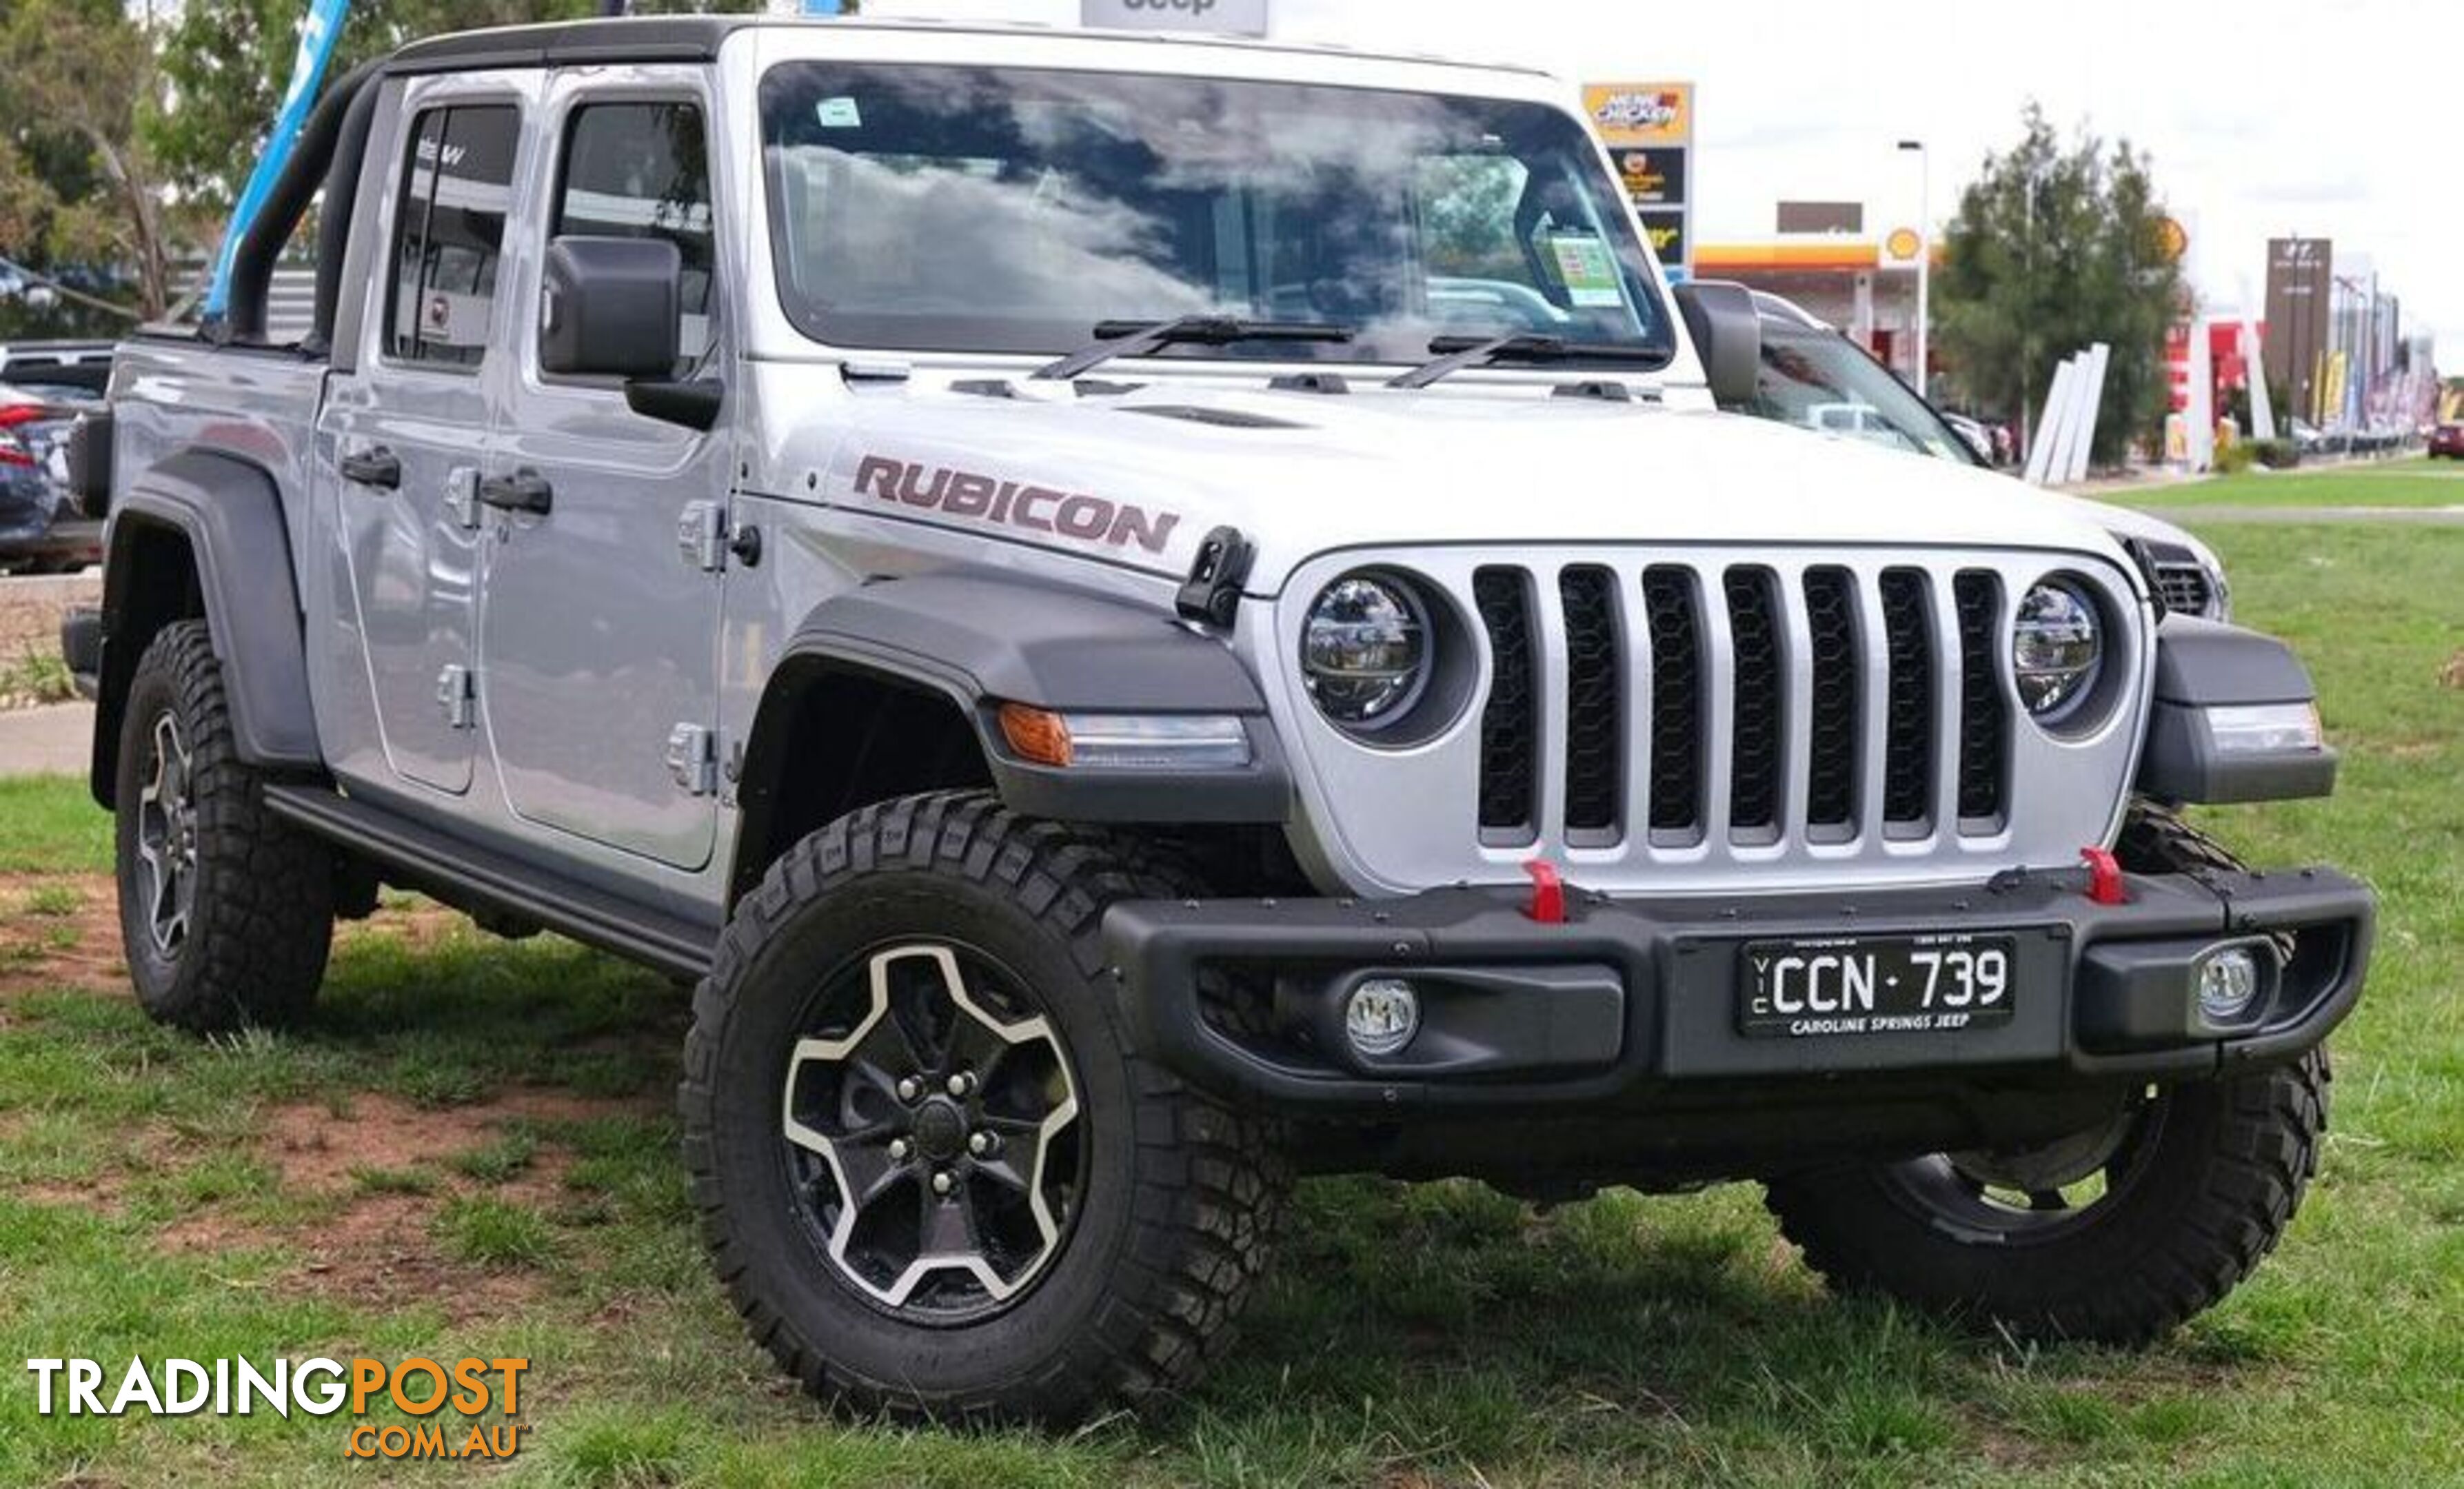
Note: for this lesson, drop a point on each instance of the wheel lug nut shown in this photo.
(909, 1089)
(899, 1150)
(980, 1143)
(942, 1183)
(961, 1084)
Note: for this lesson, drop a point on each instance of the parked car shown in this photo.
(1116, 692)
(1816, 377)
(41, 529)
(2447, 440)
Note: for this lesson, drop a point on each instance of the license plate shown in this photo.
(1853, 987)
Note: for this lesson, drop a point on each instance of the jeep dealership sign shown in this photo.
(1222, 17)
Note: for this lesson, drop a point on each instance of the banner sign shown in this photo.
(1649, 130)
(318, 31)
(2296, 344)
(1216, 17)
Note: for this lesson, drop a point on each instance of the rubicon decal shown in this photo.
(1018, 504)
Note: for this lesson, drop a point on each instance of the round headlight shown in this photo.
(1365, 649)
(2056, 647)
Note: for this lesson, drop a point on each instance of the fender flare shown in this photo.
(979, 640)
(229, 513)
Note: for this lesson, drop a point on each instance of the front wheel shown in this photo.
(932, 1172)
(2115, 1234)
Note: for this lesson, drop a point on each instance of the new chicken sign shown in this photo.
(1649, 130)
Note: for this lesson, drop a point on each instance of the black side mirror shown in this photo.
(1727, 334)
(610, 310)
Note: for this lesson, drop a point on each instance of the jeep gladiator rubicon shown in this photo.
(1142, 615)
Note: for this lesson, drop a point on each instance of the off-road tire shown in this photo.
(261, 923)
(2225, 1174)
(1170, 1236)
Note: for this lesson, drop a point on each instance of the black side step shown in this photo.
(491, 880)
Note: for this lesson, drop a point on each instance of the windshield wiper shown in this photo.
(1455, 353)
(1136, 338)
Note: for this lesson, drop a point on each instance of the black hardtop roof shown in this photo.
(697, 38)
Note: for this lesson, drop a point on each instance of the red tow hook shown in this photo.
(2104, 877)
(1547, 903)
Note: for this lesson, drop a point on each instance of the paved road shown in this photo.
(2193, 516)
(46, 740)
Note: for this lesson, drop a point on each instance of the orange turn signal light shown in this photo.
(1036, 736)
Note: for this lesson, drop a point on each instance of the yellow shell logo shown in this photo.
(1902, 243)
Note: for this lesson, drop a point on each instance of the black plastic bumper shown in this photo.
(1628, 1002)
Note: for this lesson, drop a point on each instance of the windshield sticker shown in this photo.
(839, 113)
(1587, 270)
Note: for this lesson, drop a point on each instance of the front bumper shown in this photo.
(1629, 1003)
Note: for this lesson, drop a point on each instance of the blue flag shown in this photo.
(318, 32)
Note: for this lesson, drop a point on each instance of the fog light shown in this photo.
(1381, 1015)
(2228, 982)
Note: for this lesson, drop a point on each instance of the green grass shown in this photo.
(1411, 1335)
(49, 824)
(2395, 483)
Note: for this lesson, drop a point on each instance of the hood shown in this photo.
(1139, 478)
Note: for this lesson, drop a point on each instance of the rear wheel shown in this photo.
(226, 911)
(933, 1172)
(2113, 1234)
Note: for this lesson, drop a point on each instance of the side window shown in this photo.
(450, 233)
(640, 170)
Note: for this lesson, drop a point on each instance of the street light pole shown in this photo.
(1924, 256)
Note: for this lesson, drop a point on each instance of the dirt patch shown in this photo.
(31, 610)
(318, 1151)
(59, 931)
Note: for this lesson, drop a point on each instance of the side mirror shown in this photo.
(1727, 334)
(609, 309)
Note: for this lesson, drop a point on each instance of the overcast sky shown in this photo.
(2332, 117)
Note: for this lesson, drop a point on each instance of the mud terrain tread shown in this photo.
(265, 928)
(2261, 1150)
(1212, 1182)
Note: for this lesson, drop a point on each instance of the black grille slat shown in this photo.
(1668, 603)
(1509, 780)
(1755, 741)
(1908, 699)
(2184, 587)
(1836, 743)
(1983, 726)
(1595, 706)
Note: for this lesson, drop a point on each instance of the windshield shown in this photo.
(957, 209)
(1820, 380)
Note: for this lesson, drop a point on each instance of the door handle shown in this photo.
(374, 466)
(524, 490)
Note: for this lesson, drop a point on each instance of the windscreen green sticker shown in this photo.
(839, 113)
(1588, 271)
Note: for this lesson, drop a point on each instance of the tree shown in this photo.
(228, 63)
(2053, 248)
(79, 183)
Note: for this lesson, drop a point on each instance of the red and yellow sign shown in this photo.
(1641, 114)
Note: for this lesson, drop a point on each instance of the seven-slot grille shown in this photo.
(1817, 702)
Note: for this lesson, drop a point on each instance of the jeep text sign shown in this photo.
(1222, 17)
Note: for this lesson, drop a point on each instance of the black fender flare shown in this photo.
(980, 641)
(229, 514)
(2201, 665)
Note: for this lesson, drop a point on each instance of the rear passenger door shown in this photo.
(599, 632)
(407, 428)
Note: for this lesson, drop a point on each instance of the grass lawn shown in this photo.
(2394, 483)
(469, 1152)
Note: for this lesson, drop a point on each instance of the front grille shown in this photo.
(1981, 715)
(1509, 725)
(2184, 588)
(1824, 704)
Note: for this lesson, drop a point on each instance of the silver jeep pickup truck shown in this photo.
(1143, 616)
